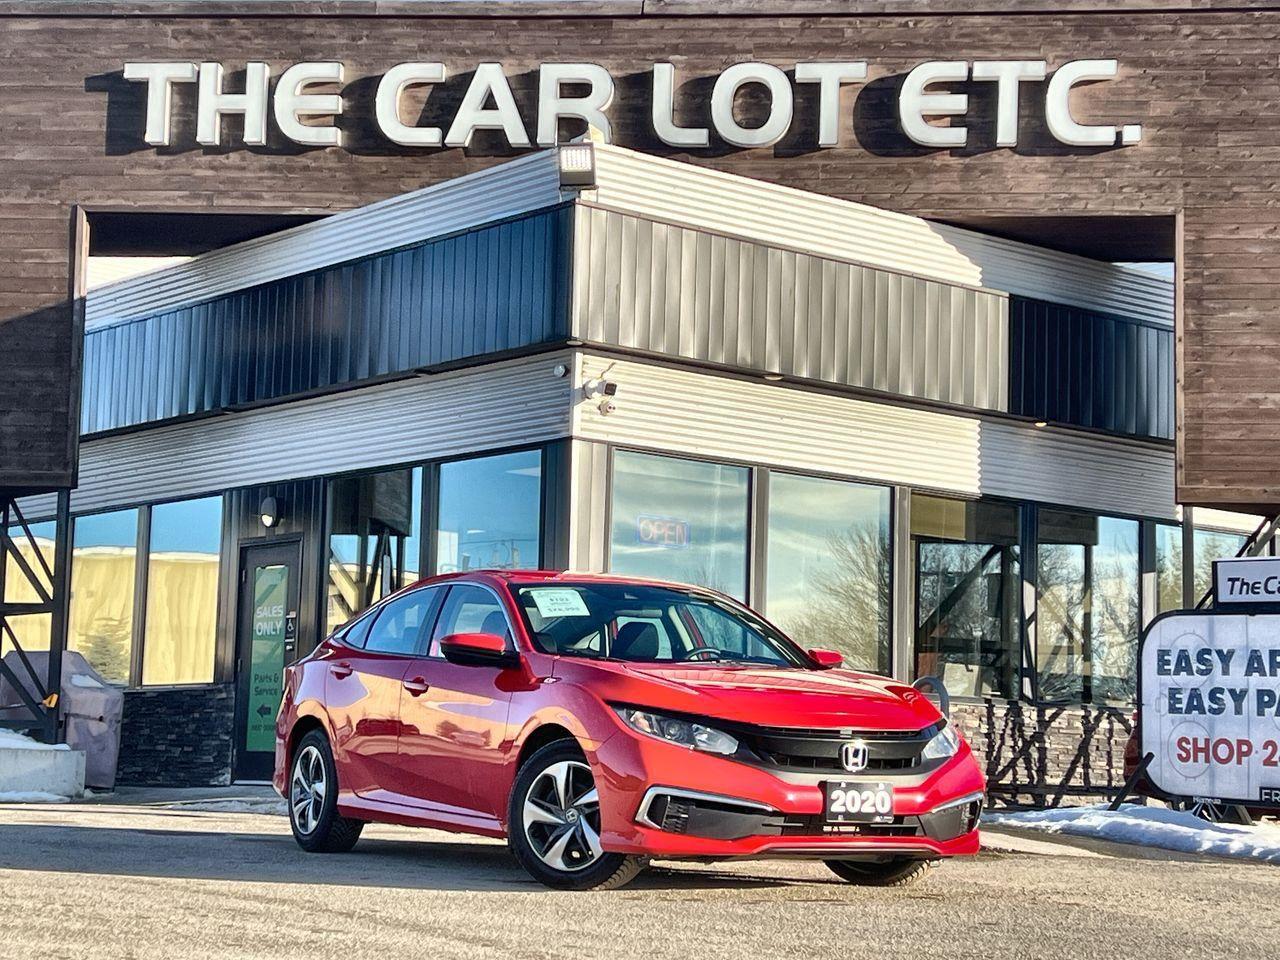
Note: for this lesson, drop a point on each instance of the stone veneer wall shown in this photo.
(178, 737)
(1046, 756)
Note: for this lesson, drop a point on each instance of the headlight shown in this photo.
(943, 745)
(687, 733)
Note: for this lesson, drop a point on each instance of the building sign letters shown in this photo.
(306, 98)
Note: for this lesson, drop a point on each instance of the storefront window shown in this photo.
(1213, 545)
(375, 530)
(182, 592)
(967, 594)
(103, 562)
(32, 630)
(1088, 611)
(682, 520)
(1168, 567)
(828, 566)
(490, 512)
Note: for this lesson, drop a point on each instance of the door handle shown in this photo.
(340, 670)
(417, 686)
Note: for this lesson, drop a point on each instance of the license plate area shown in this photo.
(857, 801)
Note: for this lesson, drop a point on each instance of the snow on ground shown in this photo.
(274, 806)
(31, 796)
(1150, 827)
(12, 740)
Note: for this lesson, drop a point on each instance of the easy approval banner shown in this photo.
(1210, 705)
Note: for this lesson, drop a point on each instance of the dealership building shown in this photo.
(939, 338)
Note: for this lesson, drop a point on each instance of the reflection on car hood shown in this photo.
(764, 696)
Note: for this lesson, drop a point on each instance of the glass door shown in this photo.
(267, 639)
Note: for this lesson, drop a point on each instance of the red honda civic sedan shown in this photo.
(600, 722)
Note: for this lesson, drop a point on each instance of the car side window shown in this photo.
(356, 634)
(403, 622)
(470, 609)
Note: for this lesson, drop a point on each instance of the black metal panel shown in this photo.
(1081, 367)
(488, 290)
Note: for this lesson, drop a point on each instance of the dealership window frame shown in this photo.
(902, 572)
(757, 527)
(141, 576)
(428, 507)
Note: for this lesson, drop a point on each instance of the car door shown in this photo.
(454, 718)
(364, 687)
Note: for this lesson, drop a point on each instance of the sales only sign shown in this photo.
(1210, 705)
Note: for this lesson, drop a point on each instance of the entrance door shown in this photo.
(266, 640)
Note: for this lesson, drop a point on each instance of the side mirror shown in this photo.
(478, 650)
(826, 659)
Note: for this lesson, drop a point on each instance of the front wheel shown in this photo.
(895, 872)
(553, 823)
(313, 799)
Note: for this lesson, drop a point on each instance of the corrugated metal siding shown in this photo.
(683, 292)
(509, 189)
(589, 490)
(491, 289)
(1090, 369)
(664, 408)
(501, 405)
(698, 197)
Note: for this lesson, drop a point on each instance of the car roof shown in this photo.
(528, 577)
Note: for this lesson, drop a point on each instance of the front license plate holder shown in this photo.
(857, 801)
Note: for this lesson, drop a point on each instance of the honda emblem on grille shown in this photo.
(854, 756)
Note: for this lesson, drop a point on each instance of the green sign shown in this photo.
(266, 662)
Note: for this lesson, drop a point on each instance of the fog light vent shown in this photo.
(676, 816)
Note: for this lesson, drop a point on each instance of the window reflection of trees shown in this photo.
(1088, 615)
(848, 599)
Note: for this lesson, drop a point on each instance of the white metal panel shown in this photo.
(695, 196)
(508, 189)
(420, 419)
(1226, 520)
(1053, 465)
(665, 408)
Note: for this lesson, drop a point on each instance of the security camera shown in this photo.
(600, 388)
(606, 407)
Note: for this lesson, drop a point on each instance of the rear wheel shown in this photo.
(313, 799)
(896, 872)
(553, 823)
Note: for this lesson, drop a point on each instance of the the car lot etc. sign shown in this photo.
(1246, 581)
(1209, 699)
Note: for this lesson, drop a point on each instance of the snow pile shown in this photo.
(274, 806)
(1150, 827)
(31, 796)
(12, 740)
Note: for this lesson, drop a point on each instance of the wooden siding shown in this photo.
(1202, 82)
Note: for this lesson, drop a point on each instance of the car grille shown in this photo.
(800, 750)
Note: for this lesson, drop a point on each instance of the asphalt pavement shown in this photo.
(108, 880)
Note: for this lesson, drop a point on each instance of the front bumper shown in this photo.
(662, 800)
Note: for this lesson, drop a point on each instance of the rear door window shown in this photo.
(403, 623)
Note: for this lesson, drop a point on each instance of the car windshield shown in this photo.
(650, 623)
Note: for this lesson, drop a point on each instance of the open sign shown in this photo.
(665, 532)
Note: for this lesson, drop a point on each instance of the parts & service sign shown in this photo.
(1210, 706)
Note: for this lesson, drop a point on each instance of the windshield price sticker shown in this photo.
(559, 602)
(1210, 706)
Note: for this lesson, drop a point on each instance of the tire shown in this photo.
(557, 839)
(313, 815)
(896, 872)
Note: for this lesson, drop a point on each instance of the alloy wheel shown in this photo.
(562, 816)
(308, 789)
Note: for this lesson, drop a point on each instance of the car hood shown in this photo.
(767, 697)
